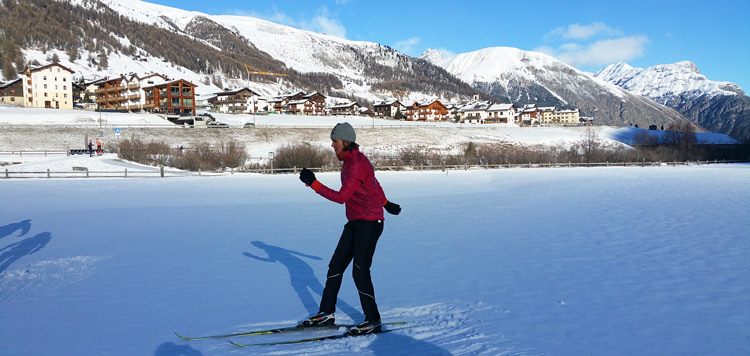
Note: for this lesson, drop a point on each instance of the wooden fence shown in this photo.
(84, 172)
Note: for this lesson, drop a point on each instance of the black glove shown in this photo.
(392, 208)
(307, 176)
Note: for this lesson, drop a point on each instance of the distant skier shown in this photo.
(99, 151)
(364, 200)
(91, 149)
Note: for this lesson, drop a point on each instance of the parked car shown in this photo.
(216, 124)
(249, 124)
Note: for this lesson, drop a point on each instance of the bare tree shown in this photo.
(591, 144)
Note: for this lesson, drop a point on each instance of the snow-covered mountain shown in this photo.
(666, 80)
(523, 77)
(365, 69)
(717, 106)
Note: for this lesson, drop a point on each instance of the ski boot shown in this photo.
(320, 319)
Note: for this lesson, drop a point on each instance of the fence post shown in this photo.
(6, 173)
(47, 172)
(126, 172)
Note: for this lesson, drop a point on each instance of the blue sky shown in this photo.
(588, 35)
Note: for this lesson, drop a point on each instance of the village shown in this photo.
(52, 86)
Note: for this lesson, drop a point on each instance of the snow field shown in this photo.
(647, 261)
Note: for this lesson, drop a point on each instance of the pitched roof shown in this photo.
(5, 85)
(52, 65)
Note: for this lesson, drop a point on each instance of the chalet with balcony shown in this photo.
(433, 111)
(318, 101)
(300, 104)
(124, 92)
(474, 113)
(175, 97)
(501, 114)
(389, 108)
(562, 117)
(240, 101)
(350, 108)
(530, 115)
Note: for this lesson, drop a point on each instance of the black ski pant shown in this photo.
(357, 242)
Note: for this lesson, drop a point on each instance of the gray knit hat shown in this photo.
(344, 132)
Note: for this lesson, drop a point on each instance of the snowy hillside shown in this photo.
(496, 63)
(304, 51)
(666, 80)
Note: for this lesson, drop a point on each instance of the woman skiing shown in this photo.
(364, 200)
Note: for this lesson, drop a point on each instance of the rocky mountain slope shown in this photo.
(717, 106)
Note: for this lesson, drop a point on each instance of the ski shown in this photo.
(273, 331)
(310, 339)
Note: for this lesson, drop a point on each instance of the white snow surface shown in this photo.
(567, 261)
(563, 261)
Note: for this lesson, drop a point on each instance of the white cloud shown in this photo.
(601, 52)
(322, 22)
(407, 46)
(594, 44)
(583, 32)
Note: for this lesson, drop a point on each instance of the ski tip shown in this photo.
(181, 337)
(234, 343)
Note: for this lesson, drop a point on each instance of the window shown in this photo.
(45, 86)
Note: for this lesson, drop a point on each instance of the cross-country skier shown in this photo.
(364, 200)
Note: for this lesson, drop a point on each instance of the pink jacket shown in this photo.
(360, 190)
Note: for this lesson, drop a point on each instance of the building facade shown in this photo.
(501, 114)
(50, 86)
(433, 111)
(175, 98)
(124, 92)
(389, 108)
(241, 101)
(11, 93)
(351, 108)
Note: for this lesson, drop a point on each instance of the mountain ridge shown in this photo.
(717, 106)
(521, 76)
